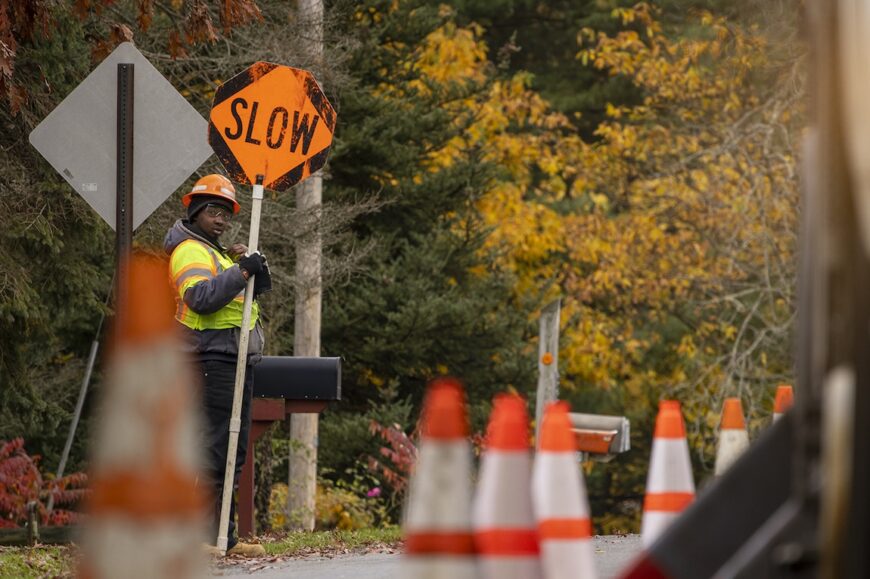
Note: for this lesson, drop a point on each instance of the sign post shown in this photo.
(124, 187)
(271, 126)
(548, 362)
(96, 153)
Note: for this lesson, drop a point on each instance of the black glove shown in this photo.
(253, 264)
(263, 281)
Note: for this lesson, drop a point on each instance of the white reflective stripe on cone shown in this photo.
(564, 559)
(132, 412)
(439, 494)
(670, 467)
(554, 472)
(503, 502)
(654, 524)
(732, 443)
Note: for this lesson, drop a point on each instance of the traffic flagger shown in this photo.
(733, 438)
(504, 524)
(437, 527)
(559, 499)
(670, 487)
(211, 304)
(146, 514)
(783, 401)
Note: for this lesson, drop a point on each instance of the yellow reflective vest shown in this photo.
(194, 262)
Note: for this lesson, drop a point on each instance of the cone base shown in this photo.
(441, 567)
(568, 559)
(510, 568)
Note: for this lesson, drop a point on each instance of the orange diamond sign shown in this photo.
(274, 121)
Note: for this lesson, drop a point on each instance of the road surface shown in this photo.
(612, 554)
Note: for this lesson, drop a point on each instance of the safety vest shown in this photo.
(193, 262)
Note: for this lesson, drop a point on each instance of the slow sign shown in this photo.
(274, 121)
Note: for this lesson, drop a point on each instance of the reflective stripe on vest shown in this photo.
(193, 262)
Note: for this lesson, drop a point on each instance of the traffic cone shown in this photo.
(733, 438)
(783, 401)
(669, 485)
(559, 499)
(146, 516)
(504, 525)
(438, 536)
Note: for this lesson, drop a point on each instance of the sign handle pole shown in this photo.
(83, 392)
(241, 362)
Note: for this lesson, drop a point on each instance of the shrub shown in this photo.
(345, 438)
(21, 483)
(342, 505)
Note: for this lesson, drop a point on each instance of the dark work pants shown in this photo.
(218, 379)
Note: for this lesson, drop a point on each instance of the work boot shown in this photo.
(247, 550)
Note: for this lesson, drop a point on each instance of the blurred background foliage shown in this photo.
(636, 160)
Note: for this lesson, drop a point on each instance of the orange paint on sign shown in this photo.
(273, 121)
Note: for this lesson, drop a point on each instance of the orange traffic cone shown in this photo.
(559, 499)
(783, 401)
(438, 537)
(733, 438)
(669, 484)
(147, 518)
(504, 524)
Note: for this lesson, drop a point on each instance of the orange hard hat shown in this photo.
(216, 186)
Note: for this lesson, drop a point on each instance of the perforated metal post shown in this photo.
(124, 189)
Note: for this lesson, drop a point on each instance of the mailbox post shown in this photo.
(283, 385)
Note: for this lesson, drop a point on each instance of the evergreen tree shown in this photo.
(430, 300)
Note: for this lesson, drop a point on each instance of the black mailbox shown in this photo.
(295, 378)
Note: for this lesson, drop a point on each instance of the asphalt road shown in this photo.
(612, 554)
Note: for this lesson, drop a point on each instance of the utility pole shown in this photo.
(302, 478)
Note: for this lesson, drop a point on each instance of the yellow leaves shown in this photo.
(367, 376)
(687, 207)
(687, 347)
(700, 180)
(452, 54)
(613, 112)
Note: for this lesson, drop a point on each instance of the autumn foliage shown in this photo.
(670, 234)
(21, 483)
(397, 456)
(663, 214)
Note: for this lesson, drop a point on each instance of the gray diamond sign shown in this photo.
(79, 137)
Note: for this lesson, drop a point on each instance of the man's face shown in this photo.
(213, 219)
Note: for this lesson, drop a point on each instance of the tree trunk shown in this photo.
(302, 478)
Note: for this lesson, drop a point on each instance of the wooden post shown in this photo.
(302, 476)
(548, 361)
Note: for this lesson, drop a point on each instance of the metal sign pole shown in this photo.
(241, 362)
(124, 189)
